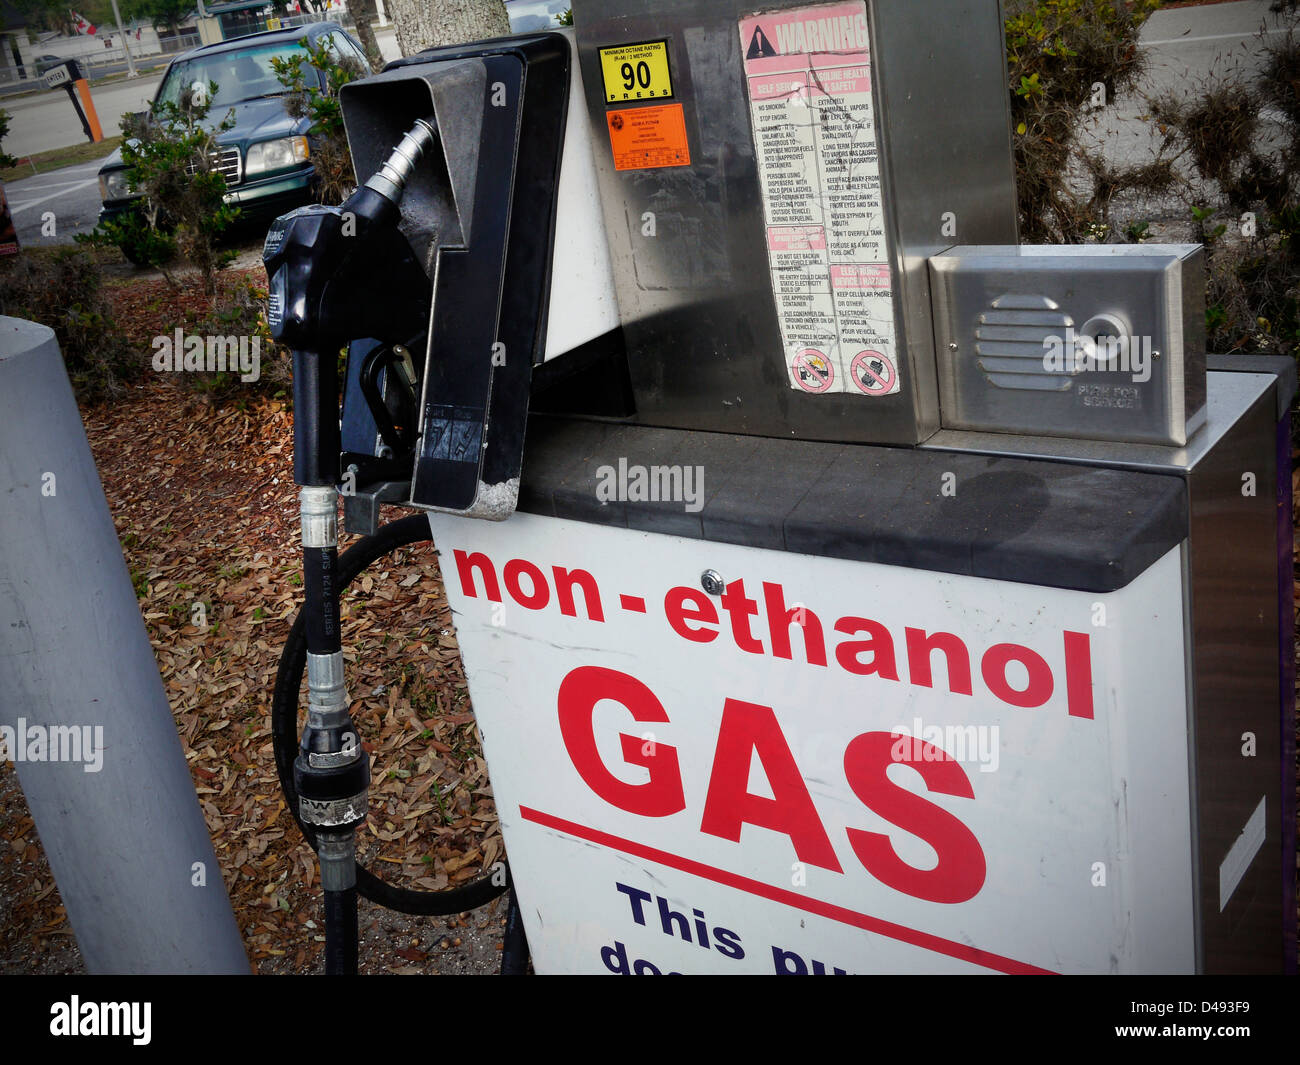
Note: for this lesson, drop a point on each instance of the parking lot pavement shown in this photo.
(51, 208)
(47, 120)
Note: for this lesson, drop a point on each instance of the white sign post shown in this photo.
(56, 76)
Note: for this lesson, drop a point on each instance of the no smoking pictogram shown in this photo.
(873, 373)
(812, 371)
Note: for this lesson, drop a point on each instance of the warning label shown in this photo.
(810, 98)
(645, 137)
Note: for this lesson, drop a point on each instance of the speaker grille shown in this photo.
(1013, 338)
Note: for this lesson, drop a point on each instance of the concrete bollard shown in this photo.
(82, 707)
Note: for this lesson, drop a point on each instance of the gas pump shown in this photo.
(861, 591)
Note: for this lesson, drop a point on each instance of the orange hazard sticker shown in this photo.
(645, 137)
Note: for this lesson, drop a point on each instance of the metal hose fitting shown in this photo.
(391, 178)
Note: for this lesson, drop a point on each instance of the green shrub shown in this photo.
(170, 159)
(1065, 58)
(329, 143)
(63, 292)
(5, 160)
(141, 243)
(241, 312)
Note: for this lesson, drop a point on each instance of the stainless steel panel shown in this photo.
(1022, 340)
(696, 299)
(1234, 649)
(1228, 396)
(950, 173)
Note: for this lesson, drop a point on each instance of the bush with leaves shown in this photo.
(5, 160)
(241, 312)
(170, 156)
(1244, 194)
(1066, 57)
(305, 99)
(63, 292)
(132, 234)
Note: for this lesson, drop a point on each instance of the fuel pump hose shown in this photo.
(285, 699)
(305, 252)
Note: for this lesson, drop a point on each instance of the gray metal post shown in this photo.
(117, 813)
(131, 72)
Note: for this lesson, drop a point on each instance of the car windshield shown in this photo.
(529, 16)
(245, 74)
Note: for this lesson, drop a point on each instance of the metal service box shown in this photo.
(1103, 340)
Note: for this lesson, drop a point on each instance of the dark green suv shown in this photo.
(266, 156)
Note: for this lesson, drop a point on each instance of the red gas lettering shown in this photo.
(960, 872)
(581, 690)
(994, 668)
(748, 729)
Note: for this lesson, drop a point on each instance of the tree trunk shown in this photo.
(426, 23)
(360, 13)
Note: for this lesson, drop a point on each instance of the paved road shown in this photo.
(1190, 41)
(46, 120)
(1186, 48)
(51, 208)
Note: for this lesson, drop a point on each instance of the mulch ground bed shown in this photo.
(203, 498)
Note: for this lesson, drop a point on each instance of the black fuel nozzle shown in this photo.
(323, 261)
(339, 274)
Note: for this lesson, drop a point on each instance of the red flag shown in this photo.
(82, 24)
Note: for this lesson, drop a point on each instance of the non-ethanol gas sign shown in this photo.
(831, 766)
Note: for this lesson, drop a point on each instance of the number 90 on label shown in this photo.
(636, 72)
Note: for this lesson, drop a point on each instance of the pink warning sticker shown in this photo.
(812, 371)
(813, 115)
(792, 87)
(874, 373)
(839, 82)
(832, 34)
(860, 276)
(796, 238)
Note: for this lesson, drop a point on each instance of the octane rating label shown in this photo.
(636, 72)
